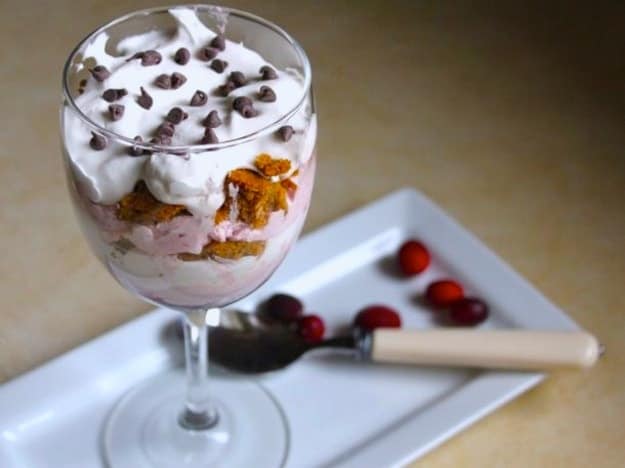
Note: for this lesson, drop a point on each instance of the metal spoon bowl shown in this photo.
(249, 343)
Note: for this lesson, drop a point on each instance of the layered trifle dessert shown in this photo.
(193, 177)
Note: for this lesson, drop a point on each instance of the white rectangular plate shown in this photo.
(341, 412)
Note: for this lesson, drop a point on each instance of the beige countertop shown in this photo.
(512, 118)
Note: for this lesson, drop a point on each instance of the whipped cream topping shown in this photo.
(196, 179)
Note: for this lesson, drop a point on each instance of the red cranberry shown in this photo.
(377, 316)
(443, 293)
(468, 311)
(284, 307)
(413, 258)
(311, 328)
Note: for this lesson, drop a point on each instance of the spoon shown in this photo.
(242, 342)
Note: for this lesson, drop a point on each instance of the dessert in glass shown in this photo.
(189, 142)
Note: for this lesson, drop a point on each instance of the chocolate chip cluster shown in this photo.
(165, 131)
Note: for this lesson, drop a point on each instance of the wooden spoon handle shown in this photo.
(496, 349)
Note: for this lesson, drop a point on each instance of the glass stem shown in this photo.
(198, 413)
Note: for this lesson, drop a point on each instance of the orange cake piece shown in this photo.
(270, 167)
(289, 186)
(230, 249)
(140, 206)
(253, 199)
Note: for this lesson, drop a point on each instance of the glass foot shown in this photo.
(143, 430)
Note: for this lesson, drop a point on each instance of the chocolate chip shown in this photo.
(182, 56)
(112, 95)
(116, 111)
(176, 115)
(145, 100)
(82, 83)
(226, 89)
(199, 98)
(212, 120)
(219, 65)
(266, 94)
(240, 102)
(135, 150)
(163, 81)
(248, 112)
(209, 137)
(267, 73)
(244, 106)
(237, 78)
(173, 81)
(207, 53)
(219, 43)
(166, 128)
(177, 80)
(161, 140)
(100, 73)
(285, 132)
(97, 142)
(151, 57)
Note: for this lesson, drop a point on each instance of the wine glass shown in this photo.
(192, 208)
